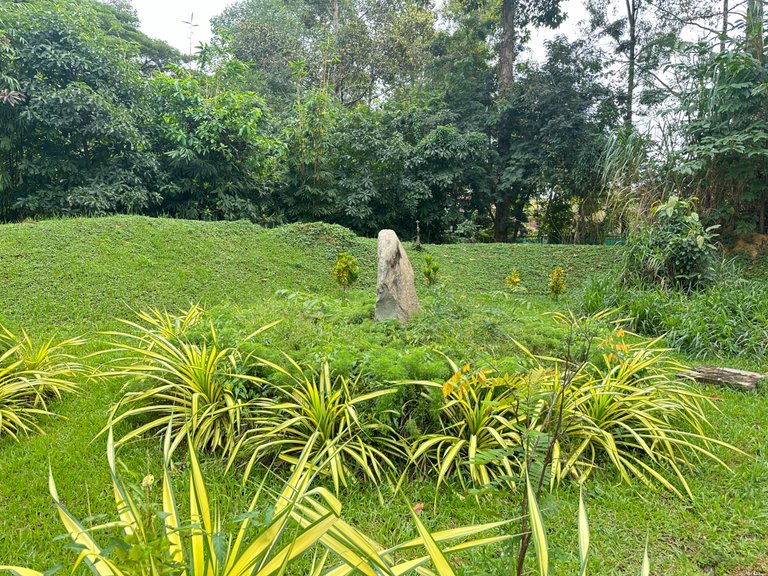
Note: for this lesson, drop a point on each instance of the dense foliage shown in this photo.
(672, 250)
(386, 114)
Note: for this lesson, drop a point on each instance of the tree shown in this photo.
(563, 112)
(74, 142)
(268, 35)
(645, 34)
(724, 159)
(360, 50)
(217, 161)
(511, 22)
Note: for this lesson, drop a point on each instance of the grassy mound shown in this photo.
(75, 275)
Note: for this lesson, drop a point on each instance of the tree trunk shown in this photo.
(501, 218)
(507, 58)
(754, 28)
(334, 76)
(725, 26)
(632, 6)
(508, 53)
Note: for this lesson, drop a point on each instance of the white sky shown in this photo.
(163, 19)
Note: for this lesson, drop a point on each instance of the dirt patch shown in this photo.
(752, 244)
(759, 569)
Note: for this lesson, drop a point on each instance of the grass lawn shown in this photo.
(75, 277)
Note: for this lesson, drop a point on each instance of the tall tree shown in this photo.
(644, 34)
(362, 49)
(755, 29)
(513, 25)
(75, 142)
(564, 111)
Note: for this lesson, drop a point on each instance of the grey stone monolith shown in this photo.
(395, 289)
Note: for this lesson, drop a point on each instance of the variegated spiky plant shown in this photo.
(327, 406)
(300, 518)
(30, 376)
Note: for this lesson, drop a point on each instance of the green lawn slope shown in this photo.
(64, 276)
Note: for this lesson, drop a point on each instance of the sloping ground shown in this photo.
(71, 277)
(74, 275)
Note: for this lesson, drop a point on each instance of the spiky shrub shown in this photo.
(156, 540)
(156, 321)
(480, 431)
(30, 376)
(631, 410)
(49, 365)
(18, 401)
(430, 270)
(188, 384)
(346, 271)
(319, 403)
(556, 283)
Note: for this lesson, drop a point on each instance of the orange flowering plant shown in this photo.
(480, 428)
(635, 411)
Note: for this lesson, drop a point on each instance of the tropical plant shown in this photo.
(346, 271)
(30, 376)
(48, 366)
(480, 432)
(430, 270)
(514, 281)
(166, 324)
(724, 155)
(217, 158)
(187, 384)
(156, 540)
(556, 283)
(632, 410)
(18, 401)
(328, 406)
(673, 250)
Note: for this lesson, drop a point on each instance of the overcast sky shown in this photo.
(164, 19)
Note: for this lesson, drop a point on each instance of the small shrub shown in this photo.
(318, 404)
(18, 402)
(162, 322)
(673, 250)
(557, 282)
(48, 366)
(480, 432)
(630, 410)
(346, 271)
(514, 281)
(30, 376)
(430, 270)
(188, 385)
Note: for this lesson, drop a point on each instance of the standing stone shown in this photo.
(395, 289)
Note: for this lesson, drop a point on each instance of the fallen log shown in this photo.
(741, 379)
